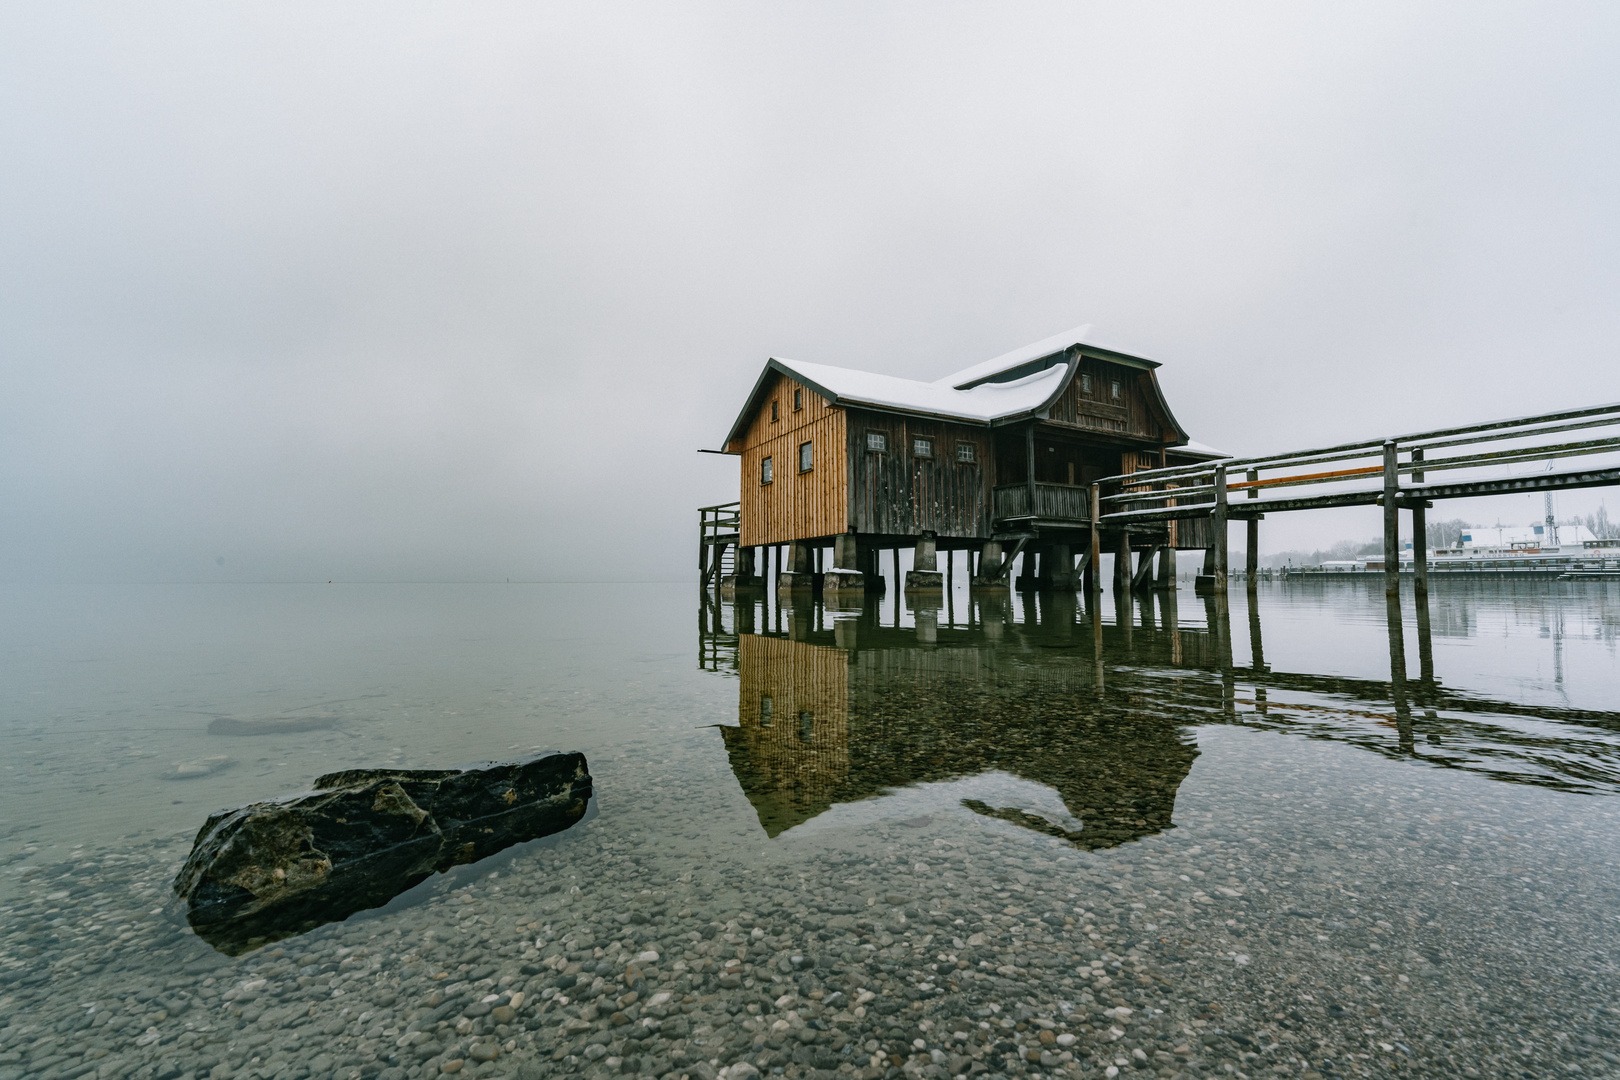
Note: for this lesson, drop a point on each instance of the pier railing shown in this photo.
(719, 528)
(1392, 472)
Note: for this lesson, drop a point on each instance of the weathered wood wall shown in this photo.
(793, 727)
(1095, 410)
(794, 505)
(897, 492)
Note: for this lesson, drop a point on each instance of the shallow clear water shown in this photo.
(889, 840)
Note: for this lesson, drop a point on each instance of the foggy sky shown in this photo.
(448, 292)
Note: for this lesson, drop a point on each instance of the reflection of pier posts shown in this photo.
(1172, 625)
(1425, 645)
(1257, 652)
(1122, 618)
(1397, 673)
(1095, 606)
(1219, 619)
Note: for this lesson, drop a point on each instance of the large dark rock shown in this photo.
(275, 869)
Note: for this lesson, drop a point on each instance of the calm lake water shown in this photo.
(984, 836)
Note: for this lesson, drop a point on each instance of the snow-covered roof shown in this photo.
(983, 403)
(1194, 448)
(1014, 385)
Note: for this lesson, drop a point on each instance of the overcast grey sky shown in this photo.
(451, 291)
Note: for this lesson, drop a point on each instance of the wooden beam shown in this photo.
(1420, 536)
(1094, 555)
(1392, 521)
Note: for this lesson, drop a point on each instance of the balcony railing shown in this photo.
(1053, 502)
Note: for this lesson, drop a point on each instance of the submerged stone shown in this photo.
(274, 869)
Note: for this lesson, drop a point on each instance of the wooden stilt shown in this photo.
(1420, 536)
(1218, 519)
(1094, 556)
(1392, 521)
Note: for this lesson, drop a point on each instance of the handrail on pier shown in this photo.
(719, 526)
(1152, 496)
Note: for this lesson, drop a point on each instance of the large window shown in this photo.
(806, 457)
(876, 442)
(765, 471)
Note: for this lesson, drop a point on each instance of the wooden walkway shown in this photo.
(1245, 488)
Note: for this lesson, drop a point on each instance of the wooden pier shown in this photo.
(1399, 465)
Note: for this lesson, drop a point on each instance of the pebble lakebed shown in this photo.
(1393, 920)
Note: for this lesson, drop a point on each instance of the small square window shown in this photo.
(1114, 389)
(765, 471)
(966, 452)
(798, 400)
(1085, 382)
(806, 457)
(773, 412)
(876, 442)
(922, 447)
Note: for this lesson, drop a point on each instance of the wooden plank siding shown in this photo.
(794, 505)
(895, 492)
(1094, 410)
(793, 727)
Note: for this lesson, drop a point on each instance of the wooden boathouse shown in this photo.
(996, 460)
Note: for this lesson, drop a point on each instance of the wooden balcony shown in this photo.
(1053, 502)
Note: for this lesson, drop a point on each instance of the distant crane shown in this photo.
(1551, 524)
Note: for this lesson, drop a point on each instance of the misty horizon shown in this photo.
(372, 293)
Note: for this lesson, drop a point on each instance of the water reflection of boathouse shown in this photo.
(847, 712)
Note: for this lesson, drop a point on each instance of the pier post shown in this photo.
(1251, 557)
(989, 566)
(845, 577)
(795, 576)
(1060, 571)
(1218, 520)
(1420, 535)
(1167, 564)
(1122, 564)
(1093, 581)
(924, 572)
(1392, 521)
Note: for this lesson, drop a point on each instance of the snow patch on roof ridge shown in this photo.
(983, 403)
(1034, 351)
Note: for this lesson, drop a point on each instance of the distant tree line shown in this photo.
(1441, 534)
(1599, 524)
